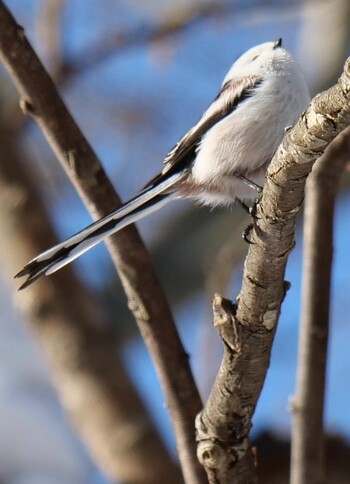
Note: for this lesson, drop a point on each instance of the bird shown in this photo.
(221, 160)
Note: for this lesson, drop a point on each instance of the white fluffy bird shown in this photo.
(220, 160)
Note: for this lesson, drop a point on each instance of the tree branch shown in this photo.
(145, 295)
(179, 22)
(77, 340)
(308, 460)
(248, 328)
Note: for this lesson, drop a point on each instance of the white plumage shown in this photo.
(263, 93)
(245, 140)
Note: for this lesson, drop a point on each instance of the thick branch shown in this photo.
(308, 460)
(145, 295)
(248, 329)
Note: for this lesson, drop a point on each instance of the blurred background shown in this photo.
(136, 75)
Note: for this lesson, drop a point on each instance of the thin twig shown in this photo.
(248, 328)
(145, 295)
(308, 459)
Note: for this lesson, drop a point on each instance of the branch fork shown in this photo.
(248, 328)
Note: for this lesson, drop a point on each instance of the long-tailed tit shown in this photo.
(220, 160)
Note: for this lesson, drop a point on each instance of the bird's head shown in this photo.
(261, 60)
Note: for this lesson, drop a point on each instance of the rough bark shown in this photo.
(308, 453)
(248, 328)
(145, 296)
(77, 340)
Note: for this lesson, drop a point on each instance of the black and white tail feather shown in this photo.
(148, 201)
(220, 160)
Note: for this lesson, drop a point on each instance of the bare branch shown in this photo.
(248, 329)
(145, 295)
(308, 459)
(77, 340)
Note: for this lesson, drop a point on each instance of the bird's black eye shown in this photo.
(255, 57)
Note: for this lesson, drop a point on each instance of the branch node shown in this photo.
(270, 318)
(73, 161)
(20, 32)
(225, 322)
(215, 455)
(294, 406)
(286, 286)
(211, 455)
(26, 107)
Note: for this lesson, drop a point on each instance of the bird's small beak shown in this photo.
(278, 43)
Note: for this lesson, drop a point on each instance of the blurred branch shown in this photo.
(49, 31)
(308, 459)
(115, 42)
(323, 50)
(274, 457)
(179, 21)
(145, 295)
(248, 328)
(90, 378)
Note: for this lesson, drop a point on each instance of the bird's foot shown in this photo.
(246, 232)
(250, 183)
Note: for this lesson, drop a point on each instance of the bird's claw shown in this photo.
(246, 232)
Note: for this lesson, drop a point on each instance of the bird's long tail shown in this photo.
(148, 201)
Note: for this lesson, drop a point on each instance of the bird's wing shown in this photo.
(231, 95)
